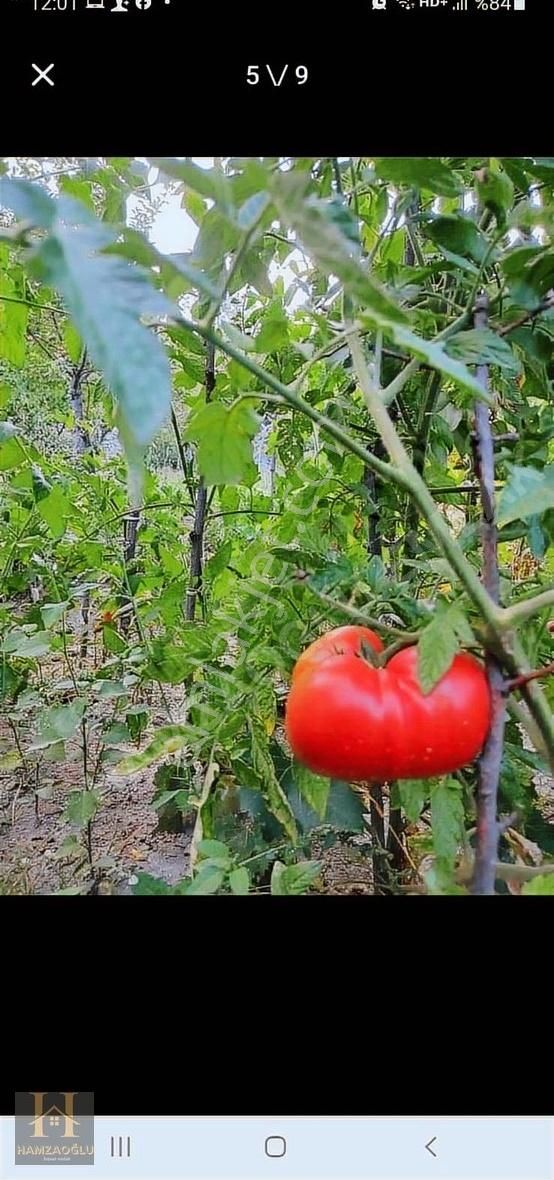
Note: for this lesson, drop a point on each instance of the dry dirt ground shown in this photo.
(125, 832)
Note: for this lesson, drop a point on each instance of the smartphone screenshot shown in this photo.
(276, 483)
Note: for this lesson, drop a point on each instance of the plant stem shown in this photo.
(182, 456)
(521, 611)
(419, 456)
(538, 674)
(486, 855)
(359, 616)
(197, 535)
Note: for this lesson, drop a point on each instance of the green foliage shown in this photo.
(298, 535)
(437, 648)
(106, 299)
(223, 436)
(528, 492)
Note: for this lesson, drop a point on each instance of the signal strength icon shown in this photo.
(461, 6)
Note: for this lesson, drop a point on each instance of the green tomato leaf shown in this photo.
(168, 740)
(314, 222)
(458, 235)
(106, 298)
(421, 172)
(447, 819)
(270, 786)
(437, 647)
(55, 509)
(528, 492)
(239, 881)
(293, 880)
(313, 788)
(480, 346)
(12, 454)
(414, 794)
(208, 880)
(224, 439)
(28, 201)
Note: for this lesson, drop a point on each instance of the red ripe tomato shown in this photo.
(342, 641)
(346, 719)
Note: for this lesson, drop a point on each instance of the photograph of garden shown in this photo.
(276, 526)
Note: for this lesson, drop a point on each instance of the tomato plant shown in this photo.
(261, 469)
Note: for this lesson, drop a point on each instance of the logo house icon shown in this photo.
(53, 1117)
(54, 1128)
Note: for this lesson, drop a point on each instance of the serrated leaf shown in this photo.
(239, 881)
(106, 299)
(82, 807)
(447, 819)
(207, 881)
(459, 235)
(334, 253)
(422, 172)
(414, 794)
(293, 880)
(254, 271)
(528, 492)
(313, 788)
(274, 331)
(438, 644)
(208, 182)
(219, 562)
(270, 786)
(168, 740)
(28, 201)
(224, 439)
(459, 622)
(54, 510)
(175, 273)
(481, 346)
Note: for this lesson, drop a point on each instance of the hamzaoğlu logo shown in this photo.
(54, 1128)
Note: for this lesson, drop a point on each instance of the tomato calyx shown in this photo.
(380, 659)
(369, 655)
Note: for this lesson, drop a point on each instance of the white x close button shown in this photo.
(42, 75)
